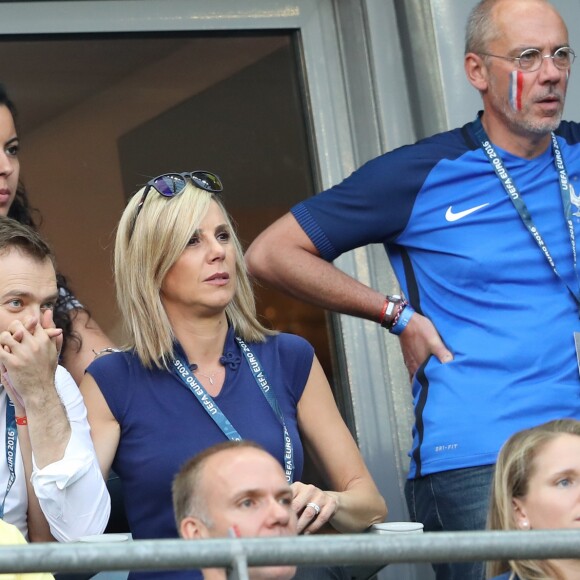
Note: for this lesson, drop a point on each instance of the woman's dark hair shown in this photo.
(22, 211)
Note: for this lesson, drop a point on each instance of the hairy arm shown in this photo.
(29, 355)
(73, 493)
(38, 528)
(285, 257)
(56, 446)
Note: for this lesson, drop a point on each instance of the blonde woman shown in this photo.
(201, 369)
(537, 486)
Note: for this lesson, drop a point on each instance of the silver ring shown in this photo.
(314, 506)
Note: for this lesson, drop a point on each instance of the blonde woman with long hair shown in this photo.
(201, 369)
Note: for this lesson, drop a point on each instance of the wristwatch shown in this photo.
(389, 317)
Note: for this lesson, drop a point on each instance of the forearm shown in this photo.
(312, 279)
(30, 359)
(48, 426)
(72, 491)
(285, 257)
(354, 502)
(358, 507)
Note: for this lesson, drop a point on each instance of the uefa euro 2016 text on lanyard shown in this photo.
(11, 437)
(513, 193)
(186, 376)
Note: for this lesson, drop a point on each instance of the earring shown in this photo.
(525, 524)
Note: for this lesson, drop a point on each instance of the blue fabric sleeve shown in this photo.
(297, 356)
(110, 372)
(374, 204)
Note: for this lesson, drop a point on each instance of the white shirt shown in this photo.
(62, 487)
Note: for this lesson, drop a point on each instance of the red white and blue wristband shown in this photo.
(402, 319)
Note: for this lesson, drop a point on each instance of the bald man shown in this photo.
(235, 489)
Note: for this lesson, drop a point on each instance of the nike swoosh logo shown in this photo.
(451, 216)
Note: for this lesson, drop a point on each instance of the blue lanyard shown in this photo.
(186, 376)
(513, 193)
(262, 381)
(11, 438)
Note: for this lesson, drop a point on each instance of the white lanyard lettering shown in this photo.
(11, 438)
(183, 372)
(262, 382)
(513, 193)
(186, 376)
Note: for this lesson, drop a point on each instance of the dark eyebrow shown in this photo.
(257, 491)
(24, 294)
(247, 493)
(16, 293)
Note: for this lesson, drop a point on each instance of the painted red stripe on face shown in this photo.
(520, 85)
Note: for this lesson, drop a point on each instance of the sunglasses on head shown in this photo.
(172, 184)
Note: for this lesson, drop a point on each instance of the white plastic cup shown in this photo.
(397, 528)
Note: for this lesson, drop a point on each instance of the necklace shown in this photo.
(210, 377)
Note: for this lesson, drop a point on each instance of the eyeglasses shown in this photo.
(531, 59)
(172, 184)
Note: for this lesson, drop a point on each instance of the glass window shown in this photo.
(101, 114)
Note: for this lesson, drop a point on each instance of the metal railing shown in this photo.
(238, 554)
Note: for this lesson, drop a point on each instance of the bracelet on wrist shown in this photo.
(398, 315)
(402, 319)
(385, 310)
(389, 314)
(21, 420)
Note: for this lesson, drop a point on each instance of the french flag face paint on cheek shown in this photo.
(516, 84)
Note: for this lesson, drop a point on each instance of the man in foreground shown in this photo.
(235, 489)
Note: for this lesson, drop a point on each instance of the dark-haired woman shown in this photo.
(82, 334)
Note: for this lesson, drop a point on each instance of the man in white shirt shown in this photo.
(47, 459)
(235, 489)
